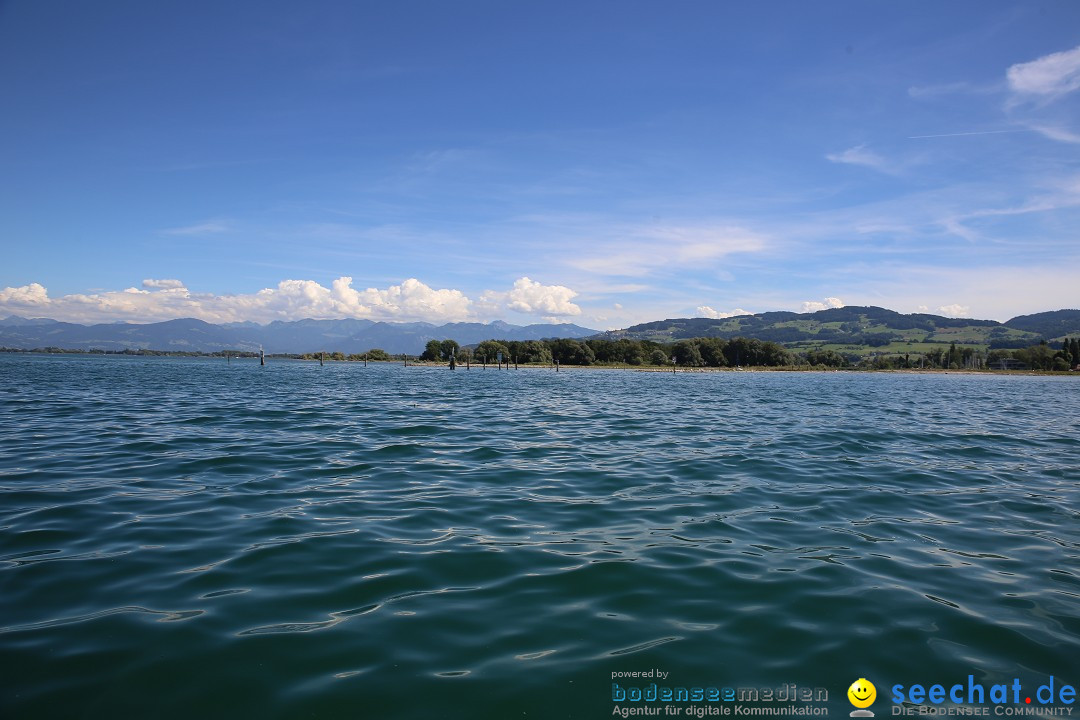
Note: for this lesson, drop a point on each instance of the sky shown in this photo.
(601, 163)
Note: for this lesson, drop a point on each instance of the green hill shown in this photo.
(1050, 325)
(866, 329)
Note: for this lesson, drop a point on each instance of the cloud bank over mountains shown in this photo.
(412, 300)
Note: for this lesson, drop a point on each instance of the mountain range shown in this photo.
(189, 334)
(850, 326)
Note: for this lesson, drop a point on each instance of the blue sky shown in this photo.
(602, 163)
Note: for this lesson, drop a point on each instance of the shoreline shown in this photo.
(755, 369)
(551, 368)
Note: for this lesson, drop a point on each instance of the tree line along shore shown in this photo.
(739, 352)
(688, 353)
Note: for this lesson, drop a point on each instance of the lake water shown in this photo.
(196, 538)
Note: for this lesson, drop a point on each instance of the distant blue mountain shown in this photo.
(16, 321)
(189, 334)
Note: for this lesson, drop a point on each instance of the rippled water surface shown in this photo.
(196, 538)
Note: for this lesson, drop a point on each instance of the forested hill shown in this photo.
(1048, 324)
(863, 325)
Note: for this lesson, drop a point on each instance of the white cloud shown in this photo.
(704, 311)
(1049, 76)
(830, 302)
(1036, 86)
(955, 311)
(291, 300)
(411, 299)
(859, 155)
(29, 296)
(529, 297)
(164, 284)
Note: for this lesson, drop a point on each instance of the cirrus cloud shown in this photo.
(641, 251)
(858, 155)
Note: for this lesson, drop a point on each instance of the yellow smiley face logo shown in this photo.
(862, 693)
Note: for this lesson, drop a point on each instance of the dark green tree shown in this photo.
(448, 348)
(488, 351)
(712, 351)
(572, 352)
(432, 351)
(687, 354)
(533, 351)
(659, 357)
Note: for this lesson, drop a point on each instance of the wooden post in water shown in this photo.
(262, 357)
(672, 364)
(321, 356)
(556, 366)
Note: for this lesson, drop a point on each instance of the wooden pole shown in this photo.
(262, 357)
(321, 356)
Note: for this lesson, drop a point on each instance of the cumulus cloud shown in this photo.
(954, 311)
(165, 284)
(166, 299)
(528, 296)
(814, 306)
(704, 311)
(1049, 76)
(26, 297)
(531, 298)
